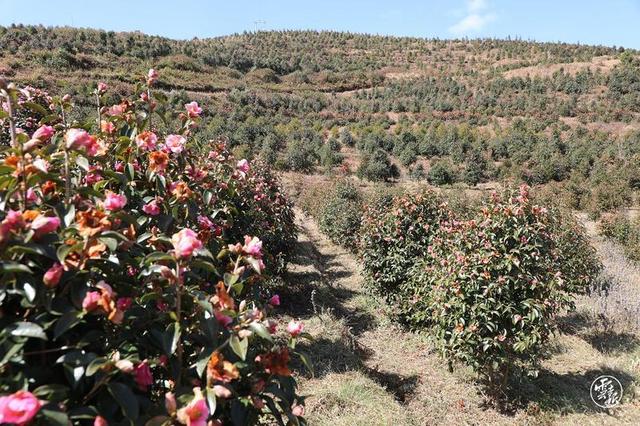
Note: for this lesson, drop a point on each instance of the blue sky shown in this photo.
(608, 22)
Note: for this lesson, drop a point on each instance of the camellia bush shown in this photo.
(340, 217)
(130, 271)
(395, 232)
(489, 289)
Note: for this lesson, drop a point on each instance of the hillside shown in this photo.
(477, 110)
(302, 227)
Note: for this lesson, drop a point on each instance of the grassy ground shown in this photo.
(369, 372)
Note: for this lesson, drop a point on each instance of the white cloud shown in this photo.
(476, 18)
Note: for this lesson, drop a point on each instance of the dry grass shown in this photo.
(369, 372)
(603, 64)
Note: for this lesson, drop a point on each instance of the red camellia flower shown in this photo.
(143, 376)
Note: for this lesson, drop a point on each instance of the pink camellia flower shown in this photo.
(151, 208)
(93, 176)
(243, 166)
(235, 248)
(222, 391)
(271, 326)
(124, 303)
(275, 300)
(45, 224)
(52, 277)
(91, 301)
(147, 140)
(152, 76)
(113, 201)
(107, 126)
(196, 412)
(100, 421)
(102, 87)
(223, 320)
(19, 408)
(125, 366)
(77, 138)
(204, 222)
(193, 109)
(114, 110)
(32, 197)
(143, 376)
(175, 143)
(118, 166)
(252, 246)
(295, 328)
(297, 410)
(43, 133)
(185, 243)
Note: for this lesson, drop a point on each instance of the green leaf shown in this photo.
(159, 421)
(70, 215)
(37, 108)
(55, 418)
(126, 399)
(27, 329)
(260, 330)
(95, 365)
(111, 243)
(82, 162)
(14, 267)
(230, 279)
(175, 332)
(29, 291)
(66, 322)
(53, 392)
(239, 346)
(211, 400)
(305, 361)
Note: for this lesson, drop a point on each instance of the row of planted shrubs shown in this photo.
(131, 269)
(485, 282)
(623, 230)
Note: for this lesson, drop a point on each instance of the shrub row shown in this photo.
(130, 270)
(624, 231)
(486, 282)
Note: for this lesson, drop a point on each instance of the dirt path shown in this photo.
(369, 372)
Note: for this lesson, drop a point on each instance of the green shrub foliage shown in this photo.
(395, 232)
(341, 217)
(489, 289)
(624, 231)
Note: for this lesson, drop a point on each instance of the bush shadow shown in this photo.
(564, 393)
